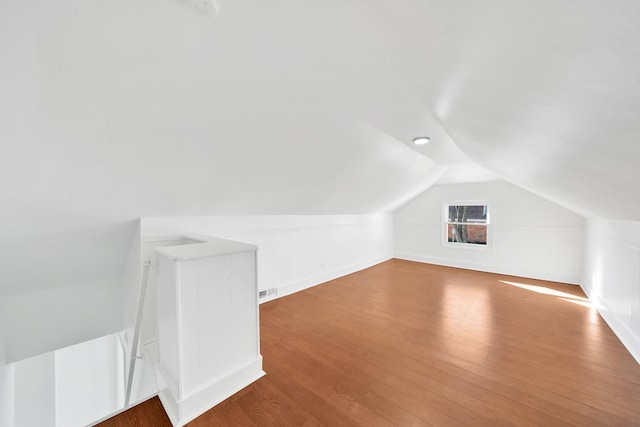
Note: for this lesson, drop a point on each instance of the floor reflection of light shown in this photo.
(582, 303)
(593, 325)
(467, 313)
(546, 291)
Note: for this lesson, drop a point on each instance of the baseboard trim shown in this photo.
(181, 412)
(447, 262)
(627, 337)
(299, 285)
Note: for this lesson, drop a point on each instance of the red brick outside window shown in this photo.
(467, 224)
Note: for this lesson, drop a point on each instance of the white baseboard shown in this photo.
(447, 262)
(181, 412)
(299, 285)
(627, 337)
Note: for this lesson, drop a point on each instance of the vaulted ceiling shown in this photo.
(112, 110)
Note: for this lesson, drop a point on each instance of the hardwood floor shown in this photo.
(410, 344)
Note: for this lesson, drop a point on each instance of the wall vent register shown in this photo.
(267, 293)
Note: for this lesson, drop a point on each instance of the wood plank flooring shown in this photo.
(410, 344)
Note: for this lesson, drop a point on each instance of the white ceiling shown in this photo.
(112, 110)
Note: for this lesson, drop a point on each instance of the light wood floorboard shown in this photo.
(411, 344)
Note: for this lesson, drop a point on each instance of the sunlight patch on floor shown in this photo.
(548, 291)
(582, 303)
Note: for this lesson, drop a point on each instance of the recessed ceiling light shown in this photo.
(421, 140)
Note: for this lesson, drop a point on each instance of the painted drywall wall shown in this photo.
(3, 335)
(532, 237)
(86, 388)
(130, 296)
(50, 319)
(295, 251)
(612, 276)
(73, 386)
(63, 287)
(7, 395)
(34, 387)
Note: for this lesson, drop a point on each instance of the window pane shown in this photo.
(468, 213)
(467, 233)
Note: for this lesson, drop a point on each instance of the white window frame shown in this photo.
(445, 225)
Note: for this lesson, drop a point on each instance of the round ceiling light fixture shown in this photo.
(421, 140)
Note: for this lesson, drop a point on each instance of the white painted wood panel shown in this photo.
(243, 318)
(188, 326)
(215, 283)
(168, 322)
(612, 277)
(212, 347)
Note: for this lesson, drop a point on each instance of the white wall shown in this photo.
(34, 392)
(7, 395)
(50, 319)
(89, 381)
(130, 295)
(612, 276)
(532, 237)
(73, 386)
(61, 288)
(3, 335)
(295, 251)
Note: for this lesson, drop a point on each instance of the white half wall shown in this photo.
(532, 237)
(294, 251)
(612, 277)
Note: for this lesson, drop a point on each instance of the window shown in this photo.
(467, 224)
